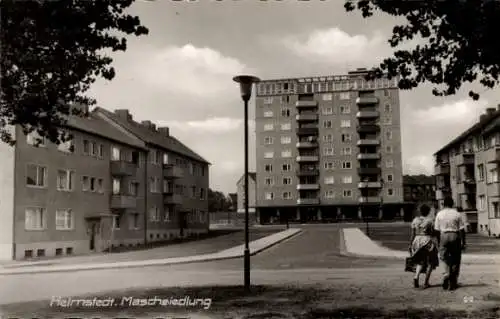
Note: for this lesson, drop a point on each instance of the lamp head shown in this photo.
(246, 82)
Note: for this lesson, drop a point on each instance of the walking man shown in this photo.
(450, 223)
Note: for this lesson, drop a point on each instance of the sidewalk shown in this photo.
(235, 252)
(357, 244)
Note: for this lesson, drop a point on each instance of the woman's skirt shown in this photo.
(424, 252)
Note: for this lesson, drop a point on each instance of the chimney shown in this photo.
(164, 130)
(147, 124)
(483, 117)
(490, 111)
(124, 114)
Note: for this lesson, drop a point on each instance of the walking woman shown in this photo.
(424, 246)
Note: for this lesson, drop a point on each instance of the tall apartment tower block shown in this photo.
(328, 148)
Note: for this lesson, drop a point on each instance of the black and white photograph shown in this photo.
(249, 159)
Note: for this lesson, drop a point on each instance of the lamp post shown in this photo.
(381, 208)
(246, 82)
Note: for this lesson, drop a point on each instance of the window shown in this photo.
(286, 126)
(116, 185)
(285, 112)
(268, 154)
(100, 185)
(115, 153)
(387, 120)
(287, 195)
(134, 188)
(387, 108)
(347, 193)
(386, 92)
(328, 138)
(329, 165)
(154, 214)
(34, 218)
(86, 147)
(346, 151)
(328, 151)
(493, 176)
(268, 140)
(347, 179)
(330, 194)
(344, 96)
(329, 180)
(345, 109)
(346, 138)
(268, 100)
(94, 149)
(345, 123)
(388, 135)
(286, 167)
(327, 97)
(287, 180)
(167, 214)
(482, 202)
(66, 147)
(286, 139)
(65, 180)
(154, 185)
(269, 196)
(268, 114)
(268, 168)
(390, 178)
(480, 172)
(64, 219)
(101, 151)
(35, 139)
(346, 165)
(268, 127)
(285, 99)
(388, 149)
(286, 153)
(327, 124)
(36, 176)
(165, 159)
(269, 181)
(390, 192)
(327, 110)
(133, 221)
(389, 163)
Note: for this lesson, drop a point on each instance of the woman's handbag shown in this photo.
(409, 265)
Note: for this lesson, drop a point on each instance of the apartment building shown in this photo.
(467, 170)
(418, 190)
(328, 148)
(252, 189)
(85, 195)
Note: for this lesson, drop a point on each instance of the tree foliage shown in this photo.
(218, 202)
(52, 52)
(460, 42)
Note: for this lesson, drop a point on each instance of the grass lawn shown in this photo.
(339, 301)
(398, 237)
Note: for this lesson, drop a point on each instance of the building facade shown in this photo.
(252, 192)
(328, 148)
(467, 170)
(90, 194)
(418, 190)
(234, 201)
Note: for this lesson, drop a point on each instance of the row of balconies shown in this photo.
(368, 100)
(306, 117)
(123, 168)
(123, 201)
(361, 171)
(314, 131)
(364, 142)
(316, 201)
(361, 185)
(491, 156)
(315, 158)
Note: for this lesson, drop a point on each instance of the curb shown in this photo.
(146, 263)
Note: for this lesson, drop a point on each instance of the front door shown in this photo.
(92, 229)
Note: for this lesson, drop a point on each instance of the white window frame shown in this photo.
(347, 179)
(268, 127)
(39, 220)
(41, 175)
(287, 195)
(268, 155)
(287, 180)
(327, 111)
(31, 139)
(268, 114)
(288, 167)
(286, 112)
(115, 153)
(286, 153)
(67, 218)
(268, 168)
(329, 180)
(269, 195)
(344, 96)
(390, 192)
(328, 138)
(70, 180)
(286, 139)
(286, 126)
(268, 140)
(327, 97)
(346, 150)
(389, 163)
(268, 100)
(329, 194)
(345, 191)
(345, 123)
(390, 178)
(345, 109)
(327, 164)
(348, 138)
(269, 181)
(328, 151)
(345, 165)
(328, 124)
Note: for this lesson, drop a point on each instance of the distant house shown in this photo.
(418, 190)
(240, 194)
(234, 201)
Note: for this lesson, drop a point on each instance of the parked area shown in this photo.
(397, 237)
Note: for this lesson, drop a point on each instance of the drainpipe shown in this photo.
(146, 199)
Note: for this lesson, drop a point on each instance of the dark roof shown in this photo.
(151, 137)
(97, 126)
(472, 130)
(418, 180)
(251, 175)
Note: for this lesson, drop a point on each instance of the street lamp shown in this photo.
(246, 82)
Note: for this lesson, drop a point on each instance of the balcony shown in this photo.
(366, 142)
(172, 199)
(493, 155)
(307, 131)
(308, 201)
(368, 156)
(370, 200)
(306, 104)
(367, 114)
(369, 185)
(307, 172)
(123, 168)
(442, 169)
(123, 201)
(465, 159)
(307, 145)
(307, 158)
(369, 170)
(441, 194)
(368, 128)
(171, 171)
(305, 187)
(367, 100)
(466, 188)
(307, 117)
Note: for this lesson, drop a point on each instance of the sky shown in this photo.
(180, 75)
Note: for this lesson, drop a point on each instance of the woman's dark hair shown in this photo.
(448, 202)
(424, 210)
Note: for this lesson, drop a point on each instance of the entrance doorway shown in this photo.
(93, 230)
